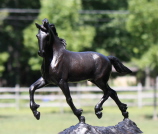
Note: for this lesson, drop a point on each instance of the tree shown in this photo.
(3, 58)
(142, 25)
(66, 19)
(13, 62)
(108, 18)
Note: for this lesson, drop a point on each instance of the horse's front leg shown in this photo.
(33, 106)
(65, 88)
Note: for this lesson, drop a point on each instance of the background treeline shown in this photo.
(126, 29)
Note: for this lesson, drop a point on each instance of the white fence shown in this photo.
(53, 96)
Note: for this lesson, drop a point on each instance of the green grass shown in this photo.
(21, 121)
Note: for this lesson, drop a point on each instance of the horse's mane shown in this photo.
(63, 41)
(45, 21)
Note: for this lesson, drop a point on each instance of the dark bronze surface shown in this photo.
(61, 66)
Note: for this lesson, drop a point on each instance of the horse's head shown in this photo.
(44, 35)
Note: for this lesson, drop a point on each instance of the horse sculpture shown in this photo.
(61, 66)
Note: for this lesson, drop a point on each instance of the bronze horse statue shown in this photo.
(61, 66)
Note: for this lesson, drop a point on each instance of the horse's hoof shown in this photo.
(34, 106)
(97, 108)
(37, 106)
(123, 107)
(99, 114)
(37, 115)
(79, 112)
(125, 114)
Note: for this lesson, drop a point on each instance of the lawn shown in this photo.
(21, 121)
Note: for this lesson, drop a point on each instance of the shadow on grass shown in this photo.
(149, 117)
(69, 111)
(5, 116)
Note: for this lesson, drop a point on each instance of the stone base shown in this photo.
(125, 127)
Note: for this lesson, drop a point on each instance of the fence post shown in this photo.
(155, 117)
(17, 97)
(139, 95)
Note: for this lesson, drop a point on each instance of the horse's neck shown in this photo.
(48, 55)
(55, 44)
(52, 55)
(57, 48)
(52, 51)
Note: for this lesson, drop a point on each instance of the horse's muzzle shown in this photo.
(41, 53)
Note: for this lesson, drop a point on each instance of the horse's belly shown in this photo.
(75, 80)
(80, 76)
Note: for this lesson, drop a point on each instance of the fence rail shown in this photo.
(52, 96)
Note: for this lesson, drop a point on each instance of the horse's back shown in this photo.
(87, 65)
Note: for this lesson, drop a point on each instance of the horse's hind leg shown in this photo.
(98, 107)
(33, 106)
(122, 106)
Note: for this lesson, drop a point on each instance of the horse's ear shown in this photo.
(37, 25)
(45, 23)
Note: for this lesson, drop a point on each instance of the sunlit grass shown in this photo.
(22, 121)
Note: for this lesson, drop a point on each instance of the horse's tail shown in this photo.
(118, 65)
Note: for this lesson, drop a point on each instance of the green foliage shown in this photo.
(117, 40)
(142, 21)
(104, 4)
(111, 36)
(149, 60)
(14, 67)
(142, 24)
(66, 19)
(3, 58)
(127, 36)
